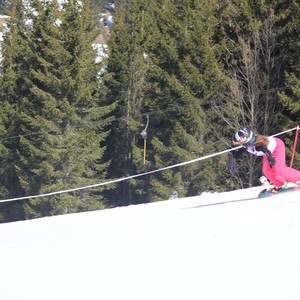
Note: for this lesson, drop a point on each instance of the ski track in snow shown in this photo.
(210, 247)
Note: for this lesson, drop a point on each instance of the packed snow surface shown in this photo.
(211, 247)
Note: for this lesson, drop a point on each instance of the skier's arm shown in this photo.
(271, 159)
(232, 160)
(237, 153)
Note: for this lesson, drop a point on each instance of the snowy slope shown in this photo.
(215, 246)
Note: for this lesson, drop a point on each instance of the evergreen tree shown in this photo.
(289, 32)
(4, 156)
(125, 80)
(184, 78)
(60, 101)
(161, 64)
(14, 69)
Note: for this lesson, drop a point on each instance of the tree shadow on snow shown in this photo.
(223, 202)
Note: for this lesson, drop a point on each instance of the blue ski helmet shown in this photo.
(244, 137)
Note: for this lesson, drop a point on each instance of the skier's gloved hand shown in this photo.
(231, 165)
(272, 161)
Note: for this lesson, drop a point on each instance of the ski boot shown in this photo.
(264, 181)
(278, 189)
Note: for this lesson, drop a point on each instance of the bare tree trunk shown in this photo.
(251, 100)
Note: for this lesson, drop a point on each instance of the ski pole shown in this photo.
(295, 145)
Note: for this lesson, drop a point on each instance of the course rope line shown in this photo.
(132, 176)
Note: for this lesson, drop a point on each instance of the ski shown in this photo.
(269, 191)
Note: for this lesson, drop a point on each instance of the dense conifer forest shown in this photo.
(190, 72)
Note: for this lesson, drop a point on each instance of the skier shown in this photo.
(173, 196)
(273, 151)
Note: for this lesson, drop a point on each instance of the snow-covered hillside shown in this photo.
(211, 247)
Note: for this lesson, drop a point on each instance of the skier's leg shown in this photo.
(289, 174)
(268, 171)
(281, 170)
